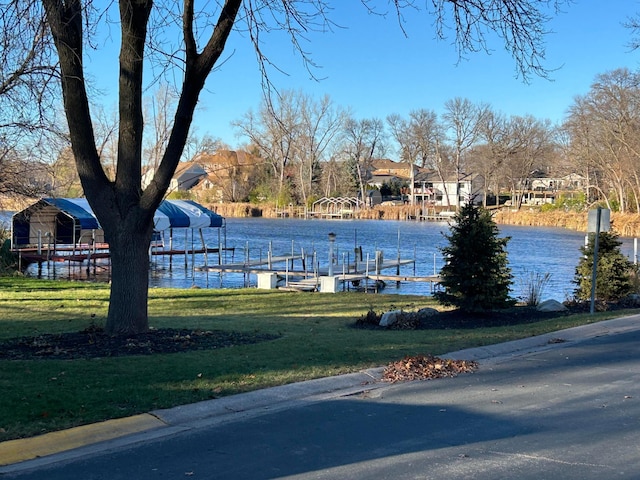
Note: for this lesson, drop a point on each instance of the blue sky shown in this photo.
(371, 67)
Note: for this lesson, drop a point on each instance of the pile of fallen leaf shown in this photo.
(426, 367)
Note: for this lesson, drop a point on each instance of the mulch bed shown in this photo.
(456, 319)
(93, 342)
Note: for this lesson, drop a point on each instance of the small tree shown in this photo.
(615, 274)
(476, 277)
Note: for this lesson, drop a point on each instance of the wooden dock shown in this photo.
(304, 280)
(255, 266)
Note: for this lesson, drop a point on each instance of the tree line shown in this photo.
(306, 148)
(311, 147)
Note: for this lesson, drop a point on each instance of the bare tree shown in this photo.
(28, 72)
(633, 24)
(464, 121)
(421, 139)
(521, 25)
(125, 210)
(65, 181)
(29, 89)
(275, 132)
(419, 136)
(21, 177)
(527, 144)
(604, 126)
(579, 146)
(336, 179)
(159, 124)
(320, 124)
(197, 145)
(363, 139)
(483, 162)
(294, 130)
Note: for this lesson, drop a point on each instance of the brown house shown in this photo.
(227, 175)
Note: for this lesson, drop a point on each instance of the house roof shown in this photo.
(386, 166)
(432, 176)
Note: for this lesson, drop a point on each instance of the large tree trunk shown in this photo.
(130, 281)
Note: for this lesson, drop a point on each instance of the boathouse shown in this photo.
(71, 221)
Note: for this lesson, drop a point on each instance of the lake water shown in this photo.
(531, 251)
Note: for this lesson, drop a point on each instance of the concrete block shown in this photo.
(267, 280)
(329, 284)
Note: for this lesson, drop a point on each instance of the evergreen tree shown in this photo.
(476, 277)
(616, 275)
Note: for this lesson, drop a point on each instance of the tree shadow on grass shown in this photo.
(93, 342)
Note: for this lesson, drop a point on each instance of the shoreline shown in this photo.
(624, 224)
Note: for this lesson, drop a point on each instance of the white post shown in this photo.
(332, 240)
(595, 260)
(366, 276)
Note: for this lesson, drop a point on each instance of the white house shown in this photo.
(430, 190)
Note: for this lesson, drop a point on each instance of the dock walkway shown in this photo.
(310, 280)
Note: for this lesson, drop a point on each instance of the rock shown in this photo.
(633, 300)
(551, 306)
(389, 318)
(427, 312)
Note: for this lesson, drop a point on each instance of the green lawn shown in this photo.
(316, 339)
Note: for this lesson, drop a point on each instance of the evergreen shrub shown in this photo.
(616, 275)
(476, 277)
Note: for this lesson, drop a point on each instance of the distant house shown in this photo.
(378, 181)
(573, 181)
(221, 176)
(187, 176)
(430, 190)
(541, 181)
(230, 174)
(540, 188)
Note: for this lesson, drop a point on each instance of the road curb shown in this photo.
(20, 450)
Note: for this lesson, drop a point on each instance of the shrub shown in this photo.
(616, 275)
(532, 287)
(476, 277)
(8, 260)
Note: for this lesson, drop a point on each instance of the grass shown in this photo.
(316, 340)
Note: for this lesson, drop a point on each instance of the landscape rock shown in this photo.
(632, 300)
(427, 312)
(389, 318)
(551, 306)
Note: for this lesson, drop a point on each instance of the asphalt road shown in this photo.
(566, 410)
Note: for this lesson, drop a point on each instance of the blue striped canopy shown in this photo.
(170, 214)
(184, 214)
